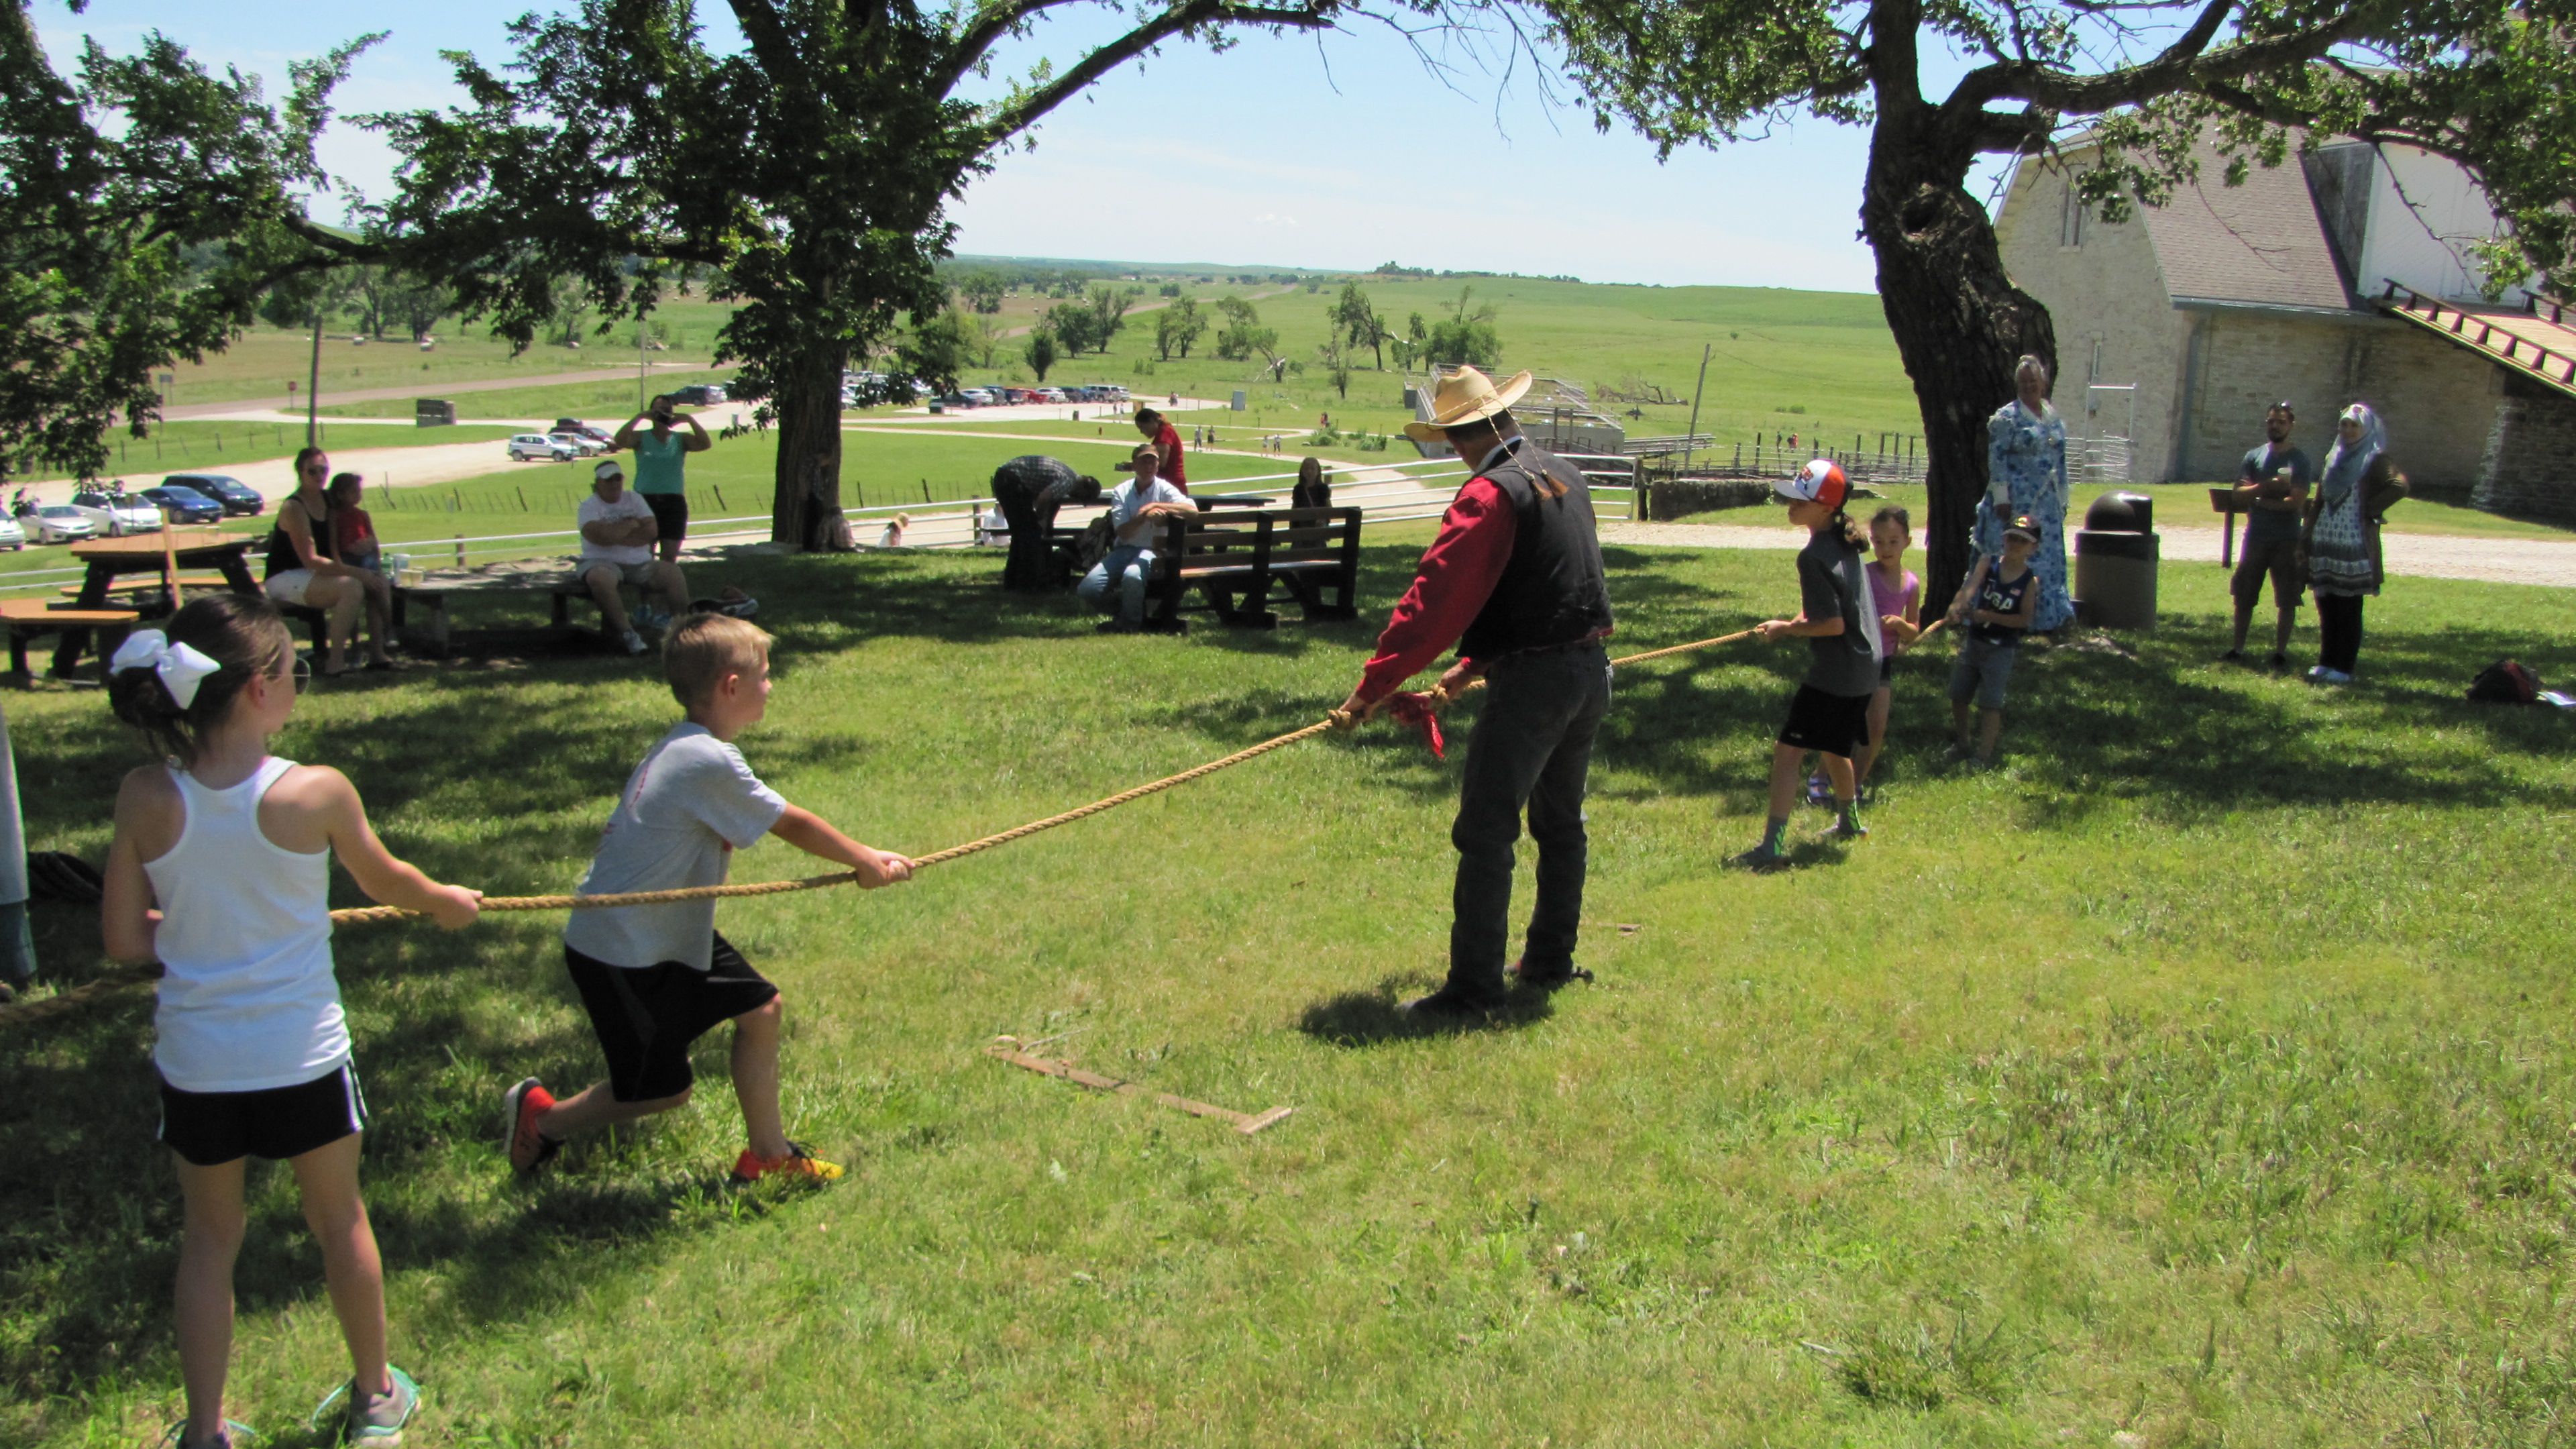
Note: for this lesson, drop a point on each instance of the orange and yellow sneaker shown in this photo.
(798, 1164)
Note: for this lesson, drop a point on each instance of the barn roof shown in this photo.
(2260, 244)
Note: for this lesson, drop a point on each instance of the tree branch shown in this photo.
(1893, 54)
(980, 37)
(2181, 67)
(1176, 21)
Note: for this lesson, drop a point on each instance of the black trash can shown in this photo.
(2116, 553)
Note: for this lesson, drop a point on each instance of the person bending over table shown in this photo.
(304, 569)
(617, 536)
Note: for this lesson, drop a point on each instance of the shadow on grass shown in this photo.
(1376, 1017)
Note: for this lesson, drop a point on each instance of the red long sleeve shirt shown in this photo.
(1457, 575)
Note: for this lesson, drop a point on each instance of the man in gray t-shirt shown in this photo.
(2272, 486)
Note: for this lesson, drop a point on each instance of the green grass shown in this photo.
(192, 446)
(263, 360)
(2186, 505)
(1827, 354)
(605, 403)
(2200, 1075)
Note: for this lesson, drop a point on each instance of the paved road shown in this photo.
(2414, 555)
(258, 407)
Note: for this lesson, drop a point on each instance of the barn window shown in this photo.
(2070, 219)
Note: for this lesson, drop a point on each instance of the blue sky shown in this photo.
(1335, 152)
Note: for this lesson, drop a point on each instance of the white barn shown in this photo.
(2339, 276)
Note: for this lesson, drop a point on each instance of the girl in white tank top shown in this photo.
(235, 847)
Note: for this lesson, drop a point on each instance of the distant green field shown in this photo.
(263, 360)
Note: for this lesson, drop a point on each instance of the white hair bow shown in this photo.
(179, 665)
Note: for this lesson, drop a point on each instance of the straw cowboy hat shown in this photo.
(1464, 397)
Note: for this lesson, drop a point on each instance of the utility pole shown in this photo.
(1691, 434)
(313, 387)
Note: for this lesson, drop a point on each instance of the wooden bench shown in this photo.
(430, 638)
(153, 584)
(29, 618)
(1235, 556)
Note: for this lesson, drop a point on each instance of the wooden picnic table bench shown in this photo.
(1233, 558)
(28, 618)
(109, 559)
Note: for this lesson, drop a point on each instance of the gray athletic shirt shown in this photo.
(2266, 524)
(1830, 586)
(685, 810)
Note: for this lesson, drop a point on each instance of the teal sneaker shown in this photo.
(378, 1419)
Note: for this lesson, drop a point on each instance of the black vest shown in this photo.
(1553, 591)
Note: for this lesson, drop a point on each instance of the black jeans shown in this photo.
(1531, 747)
(2339, 631)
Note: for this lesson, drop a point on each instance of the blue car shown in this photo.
(183, 505)
(235, 496)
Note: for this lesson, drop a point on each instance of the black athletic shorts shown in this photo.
(670, 515)
(213, 1128)
(648, 1016)
(1837, 724)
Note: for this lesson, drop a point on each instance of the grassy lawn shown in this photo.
(2186, 505)
(265, 359)
(2201, 1074)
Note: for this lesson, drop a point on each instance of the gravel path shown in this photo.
(2415, 555)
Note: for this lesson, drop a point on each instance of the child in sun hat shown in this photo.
(233, 846)
(1839, 620)
(1996, 605)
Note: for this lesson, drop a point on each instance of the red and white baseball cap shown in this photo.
(1821, 481)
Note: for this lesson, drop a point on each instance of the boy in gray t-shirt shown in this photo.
(655, 978)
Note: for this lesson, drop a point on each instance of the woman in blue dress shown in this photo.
(2026, 477)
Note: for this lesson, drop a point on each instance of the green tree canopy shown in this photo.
(146, 208)
(1178, 326)
(812, 169)
(2487, 83)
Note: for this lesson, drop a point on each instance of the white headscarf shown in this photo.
(2347, 462)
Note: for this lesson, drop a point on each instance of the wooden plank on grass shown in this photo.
(1008, 1050)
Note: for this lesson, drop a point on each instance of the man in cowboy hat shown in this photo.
(1515, 578)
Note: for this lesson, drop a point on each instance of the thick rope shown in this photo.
(368, 915)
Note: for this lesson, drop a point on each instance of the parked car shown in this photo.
(581, 447)
(183, 505)
(606, 440)
(524, 446)
(1052, 394)
(116, 514)
(957, 400)
(984, 397)
(12, 537)
(58, 523)
(238, 498)
(699, 394)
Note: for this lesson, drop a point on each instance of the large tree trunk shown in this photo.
(807, 499)
(1959, 322)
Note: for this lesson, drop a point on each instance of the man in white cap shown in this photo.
(617, 534)
(1515, 578)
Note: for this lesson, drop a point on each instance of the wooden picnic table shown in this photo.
(110, 558)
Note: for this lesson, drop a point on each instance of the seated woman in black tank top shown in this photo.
(304, 570)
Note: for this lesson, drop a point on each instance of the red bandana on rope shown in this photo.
(1417, 709)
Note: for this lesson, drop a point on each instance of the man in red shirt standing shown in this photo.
(1514, 577)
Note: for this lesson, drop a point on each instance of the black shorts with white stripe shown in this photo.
(213, 1128)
